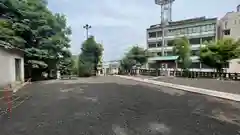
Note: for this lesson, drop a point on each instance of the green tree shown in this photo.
(138, 54)
(182, 49)
(29, 25)
(90, 57)
(66, 66)
(135, 56)
(127, 63)
(217, 54)
(75, 64)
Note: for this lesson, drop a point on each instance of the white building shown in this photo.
(11, 65)
(111, 67)
(197, 30)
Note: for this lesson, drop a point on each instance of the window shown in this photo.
(194, 29)
(185, 30)
(209, 27)
(195, 52)
(197, 29)
(225, 25)
(235, 21)
(159, 34)
(168, 53)
(159, 44)
(153, 54)
(151, 45)
(159, 53)
(177, 31)
(194, 41)
(207, 39)
(190, 30)
(226, 65)
(204, 28)
(171, 33)
(182, 31)
(171, 43)
(195, 65)
(226, 32)
(212, 27)
(152, 34)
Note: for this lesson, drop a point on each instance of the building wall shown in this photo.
(231, 22)
(234, 66)
(7, 66)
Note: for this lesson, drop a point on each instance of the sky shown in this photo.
(120, 24)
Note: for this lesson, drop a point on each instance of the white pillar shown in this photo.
(138, 71)
(147, 66)
(58, 75)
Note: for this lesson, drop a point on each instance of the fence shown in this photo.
(188, 74)
(213, 75)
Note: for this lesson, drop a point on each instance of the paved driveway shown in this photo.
(111, 105)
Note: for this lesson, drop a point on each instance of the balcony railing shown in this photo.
(170, 48)
(169, 37)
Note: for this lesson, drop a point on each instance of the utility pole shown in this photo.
(87, 27)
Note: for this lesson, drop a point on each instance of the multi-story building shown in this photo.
(197, 30)
(229, 25)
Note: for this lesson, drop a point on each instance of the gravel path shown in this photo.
(115, 106)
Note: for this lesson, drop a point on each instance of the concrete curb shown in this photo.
(20, 86)
(214, 93)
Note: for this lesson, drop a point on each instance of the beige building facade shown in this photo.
(229, 27)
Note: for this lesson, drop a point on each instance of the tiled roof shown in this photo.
(6, 45)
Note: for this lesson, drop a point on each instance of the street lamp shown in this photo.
(87, 27)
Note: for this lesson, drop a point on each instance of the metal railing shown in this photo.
(187, 74)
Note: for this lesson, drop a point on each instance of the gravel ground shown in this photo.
(213, 84)
(13, 100)
(115, 106)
